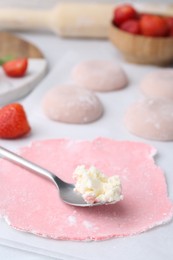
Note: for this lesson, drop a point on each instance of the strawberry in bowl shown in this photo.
(124, 13)
(142, 37)
(154, 26)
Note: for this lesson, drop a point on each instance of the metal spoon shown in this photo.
(66, 190)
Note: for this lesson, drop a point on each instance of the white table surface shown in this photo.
(54, 49)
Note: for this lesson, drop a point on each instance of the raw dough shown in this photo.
(99, 75)
(151, 119)
(32, 204)
(70, 104)
(158, 84)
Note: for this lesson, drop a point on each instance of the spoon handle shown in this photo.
(18, 160)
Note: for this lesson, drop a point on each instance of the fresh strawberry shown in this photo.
(169, 21)
(141, 14)
(16, 68)
(171, 32)
(13, 121)
(123, 13)
(153, 25)
(131, 26)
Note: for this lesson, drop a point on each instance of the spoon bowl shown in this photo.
(66, 190)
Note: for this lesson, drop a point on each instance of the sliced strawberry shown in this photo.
(13, 121)
(123, 13)
(153, 25)
(131, 26)
(15, 68)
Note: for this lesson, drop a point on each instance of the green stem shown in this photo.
(5, 59)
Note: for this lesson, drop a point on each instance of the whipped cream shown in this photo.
(94, 186)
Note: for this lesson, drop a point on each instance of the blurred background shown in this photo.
(50, 3)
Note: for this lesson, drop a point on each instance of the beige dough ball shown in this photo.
(99, 75)
(158, 84)
(151, 119)
(71, 104)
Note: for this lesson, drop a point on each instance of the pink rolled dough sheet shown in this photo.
(31, 203)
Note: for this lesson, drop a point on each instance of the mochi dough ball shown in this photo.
(99, 75)
(158, 84)
(151, 119)
(71, 104)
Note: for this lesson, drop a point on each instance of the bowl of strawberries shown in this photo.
(142, 38)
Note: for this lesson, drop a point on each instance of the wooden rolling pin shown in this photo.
(71, 19)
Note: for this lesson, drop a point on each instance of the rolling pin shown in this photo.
(89, 20)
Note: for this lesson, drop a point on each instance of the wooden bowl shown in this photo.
(141, 49)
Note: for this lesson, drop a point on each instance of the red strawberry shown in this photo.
(131, 26)
(140, 15)
(153, 25)
(15, 68)
(123, 13)
(171, 32)
(13, 121)
(169, 21)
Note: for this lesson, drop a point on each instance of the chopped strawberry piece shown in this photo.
(16, 68)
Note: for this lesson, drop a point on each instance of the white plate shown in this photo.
(12, 89)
